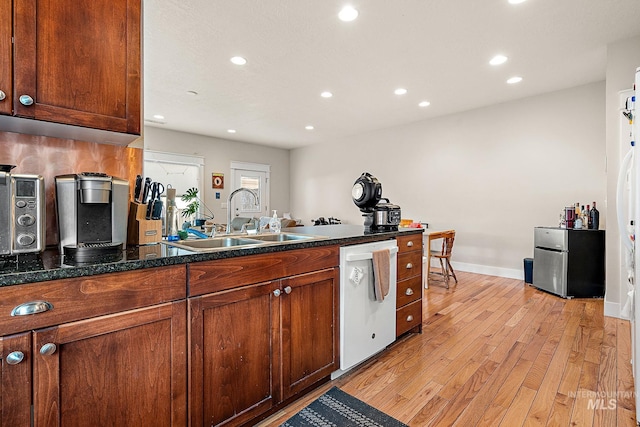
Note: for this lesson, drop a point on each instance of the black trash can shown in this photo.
(528, 270)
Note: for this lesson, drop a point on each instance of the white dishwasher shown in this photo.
(367, 325)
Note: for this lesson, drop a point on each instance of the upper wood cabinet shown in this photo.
(75, 62)
(6, 64)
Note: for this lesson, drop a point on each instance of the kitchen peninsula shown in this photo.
(170, 335)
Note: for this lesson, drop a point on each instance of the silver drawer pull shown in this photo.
(409, 291)
(32, 307)
(277, 292)
(26, 100)
(48, 349)
(15, 357)
(409, 244)
(410, 318)
(409, 265)
(2, 95)
(287, 290)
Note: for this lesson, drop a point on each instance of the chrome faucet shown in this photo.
(233, 193)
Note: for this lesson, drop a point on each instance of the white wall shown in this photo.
(623, 57)
(493, 174)
(218, 154)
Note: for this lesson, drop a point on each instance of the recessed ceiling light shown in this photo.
(348, 14)
(400, 91)
(231, 130)
(498, 59)
(192, 92)
(326, 94)
(309, 127)
(158, 116)
(516, 1)
(238, 60)
(515, 79)
(424, 104)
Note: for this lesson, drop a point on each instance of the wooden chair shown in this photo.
(444, 256)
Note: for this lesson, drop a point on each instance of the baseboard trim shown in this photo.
(489, 270)
(613, 309)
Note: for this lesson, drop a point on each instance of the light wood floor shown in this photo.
(497, 352)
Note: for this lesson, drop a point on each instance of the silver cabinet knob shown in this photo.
(26, 100)
(287, 290)
(15, 357)
(2, 95)
(409, 318)
(409, 265)
(409, 291)
(277, 292)
(32, 307)
(48, 349)
(409, 244)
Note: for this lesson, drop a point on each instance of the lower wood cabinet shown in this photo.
(123, 369)
(254, 347)
(409, 300)
(103, 350)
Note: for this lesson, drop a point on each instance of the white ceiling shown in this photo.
(437, 49)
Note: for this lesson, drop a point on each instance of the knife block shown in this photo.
(142, 231)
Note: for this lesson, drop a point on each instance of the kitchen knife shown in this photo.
(138, 189)
(145, 191)
(154, 188)
(157, 209)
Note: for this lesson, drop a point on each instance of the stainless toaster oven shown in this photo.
(22, 212)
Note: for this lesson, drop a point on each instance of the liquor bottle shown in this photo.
(585, 218)
(588, 216)
(594, 218)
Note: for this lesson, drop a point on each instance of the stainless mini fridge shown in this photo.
(569, 263)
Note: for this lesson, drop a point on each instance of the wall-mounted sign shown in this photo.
(217, 180)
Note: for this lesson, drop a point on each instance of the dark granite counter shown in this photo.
(50, 265)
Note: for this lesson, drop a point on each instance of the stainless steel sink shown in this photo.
(281, 237)
(215, 243)
(240, 241)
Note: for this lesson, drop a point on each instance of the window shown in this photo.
(176, 170)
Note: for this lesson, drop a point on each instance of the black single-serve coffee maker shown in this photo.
(92, 216)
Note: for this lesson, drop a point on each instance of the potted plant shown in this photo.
(193, 207)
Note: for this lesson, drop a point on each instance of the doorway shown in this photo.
(256, 177)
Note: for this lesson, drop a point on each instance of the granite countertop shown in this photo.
(50, 265)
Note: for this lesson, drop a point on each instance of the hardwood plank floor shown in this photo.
(497, 352)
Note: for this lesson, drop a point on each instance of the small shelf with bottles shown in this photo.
(576, 217)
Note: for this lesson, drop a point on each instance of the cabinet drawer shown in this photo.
(412, 242)
(409, 290)
(91, 296)
(408, 317)
(219, 275)
(409, 264)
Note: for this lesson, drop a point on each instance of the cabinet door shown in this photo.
(124, 369)
(15, 380)
(6, 57)
(234, 355)
(310, 307)
(79, 61)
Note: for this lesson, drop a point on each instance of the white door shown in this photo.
(254, 177)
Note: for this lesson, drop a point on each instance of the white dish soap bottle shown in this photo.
(274, 223)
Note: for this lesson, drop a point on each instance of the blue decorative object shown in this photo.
(197, 233)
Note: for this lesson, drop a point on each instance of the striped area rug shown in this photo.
(336, 408)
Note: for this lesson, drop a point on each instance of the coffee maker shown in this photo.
(92, 216)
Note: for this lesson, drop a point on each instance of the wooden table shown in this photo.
(431, 235)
